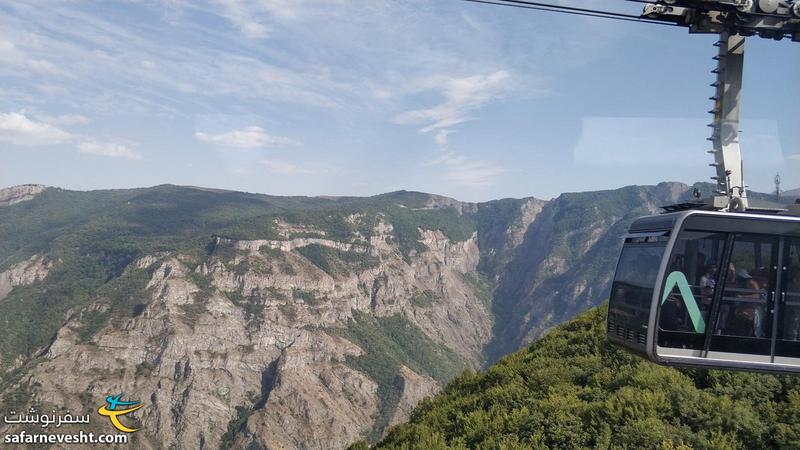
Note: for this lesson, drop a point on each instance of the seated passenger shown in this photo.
(708, 282)
(730, 277)
(709, 279)
(754, 290)
(745, 281)
(672, 314)
(743, 322)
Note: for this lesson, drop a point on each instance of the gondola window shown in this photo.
(744, 320)
(689, 289)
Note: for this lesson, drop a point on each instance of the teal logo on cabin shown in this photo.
(679, 279)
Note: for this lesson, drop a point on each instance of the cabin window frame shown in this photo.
(784, 232)
(659, 295)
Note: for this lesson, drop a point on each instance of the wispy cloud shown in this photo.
(441, 137)
(467, 171)
(247, 138)
(795, 157)
(207, 68)
(109, 149)
(461, 96)
(352, 67)
(18, 129)
(252, 17)
(11, 55)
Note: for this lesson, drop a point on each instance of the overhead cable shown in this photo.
(570, 10)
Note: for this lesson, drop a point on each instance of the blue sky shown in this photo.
(358, 97)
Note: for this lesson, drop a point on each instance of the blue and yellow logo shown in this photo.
(110, 410)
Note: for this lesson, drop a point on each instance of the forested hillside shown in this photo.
(572, 389)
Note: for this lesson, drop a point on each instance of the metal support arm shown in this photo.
(732, 20)
(731, 189)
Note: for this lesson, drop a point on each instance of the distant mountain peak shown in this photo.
(16, 194)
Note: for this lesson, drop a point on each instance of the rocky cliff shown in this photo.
(250, 321)
(565, 262)
(16, 194)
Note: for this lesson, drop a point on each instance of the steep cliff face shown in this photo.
(567, 258)
(24, 274)
(248, 321)
(314, 338)
(16, 194)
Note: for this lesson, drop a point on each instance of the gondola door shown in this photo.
(746, 307)
(787, 345)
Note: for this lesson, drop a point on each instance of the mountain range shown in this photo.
(252, 321)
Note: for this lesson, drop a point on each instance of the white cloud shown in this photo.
(441, 137)
(461, 96)
(250, 16)
(467, 171)
(108, 149)
(237, 12)
(18, 129)
(247, 138)
(286, 168)
(477, 173)
(795, 157)
(10, 54)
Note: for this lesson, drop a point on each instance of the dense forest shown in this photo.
(572, 389)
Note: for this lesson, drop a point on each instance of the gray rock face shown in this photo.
(23, 274)
(16, 194)
(257, 326)
(566, 260)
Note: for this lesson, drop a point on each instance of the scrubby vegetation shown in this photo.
(336, 262)
(389, 343)
(423, 299)
(572, 389)
(234, 426)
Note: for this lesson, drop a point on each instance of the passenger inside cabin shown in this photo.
(747, 318)
(673, 314)
(730, 277)
(709, 280)
(741, 318)
(749, 284)
(743, 322)
(700, 266)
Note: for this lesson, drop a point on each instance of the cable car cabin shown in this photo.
(710, 289)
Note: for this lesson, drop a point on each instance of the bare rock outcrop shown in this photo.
(23, 274)
(16, 194)
(415, 388)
